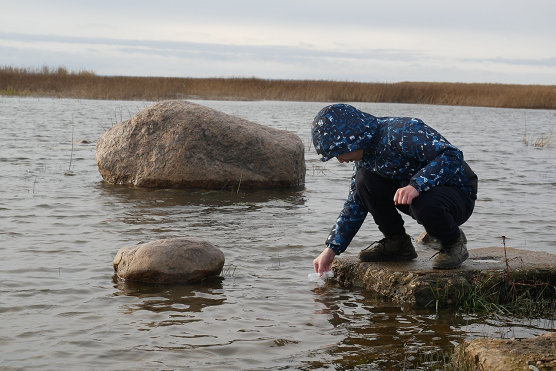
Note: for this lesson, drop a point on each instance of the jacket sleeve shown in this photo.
(441, 160)
(349, 221)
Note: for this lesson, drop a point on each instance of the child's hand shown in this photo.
(405, 195)
(323, 261)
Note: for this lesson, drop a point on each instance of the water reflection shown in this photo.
(221, 217)
(181, 298)
(293, 196)
(374, 328)
(381, 335)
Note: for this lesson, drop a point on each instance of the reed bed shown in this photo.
(86, 84)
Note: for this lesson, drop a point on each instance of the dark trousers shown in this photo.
(441, 210)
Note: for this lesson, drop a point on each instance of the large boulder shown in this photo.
(183, 259)
(178, 144)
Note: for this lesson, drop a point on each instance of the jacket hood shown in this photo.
(341, 128)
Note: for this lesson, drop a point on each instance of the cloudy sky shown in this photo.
(505, 41)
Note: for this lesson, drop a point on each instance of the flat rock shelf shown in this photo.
(415, 281)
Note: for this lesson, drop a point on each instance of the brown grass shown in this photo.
(85, 84)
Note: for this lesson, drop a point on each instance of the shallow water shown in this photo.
(61, 306)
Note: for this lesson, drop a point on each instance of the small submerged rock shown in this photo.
(185, 259)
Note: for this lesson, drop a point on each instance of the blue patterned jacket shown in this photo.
(399, 148)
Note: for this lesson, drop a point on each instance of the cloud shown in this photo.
(304, 61)
(546, 62)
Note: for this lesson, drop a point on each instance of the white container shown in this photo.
(314, 277)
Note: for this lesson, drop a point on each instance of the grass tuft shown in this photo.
(513, 292)
(522, 297)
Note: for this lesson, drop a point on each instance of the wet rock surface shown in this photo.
(183, 259)
(538, 353)
(179, 144)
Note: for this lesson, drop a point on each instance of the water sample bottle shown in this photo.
(314, 277)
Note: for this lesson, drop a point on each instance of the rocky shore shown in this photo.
(416, 282)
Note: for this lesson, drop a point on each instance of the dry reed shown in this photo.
(86, 84)
(542, 140)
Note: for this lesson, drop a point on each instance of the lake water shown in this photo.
(61, 307)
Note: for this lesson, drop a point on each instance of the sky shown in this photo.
(493, 41)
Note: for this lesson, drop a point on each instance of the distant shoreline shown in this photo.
(84, 84)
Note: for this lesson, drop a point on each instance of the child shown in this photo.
(401, 164)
